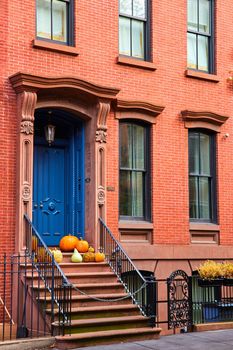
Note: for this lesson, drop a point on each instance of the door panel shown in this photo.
(49, 193)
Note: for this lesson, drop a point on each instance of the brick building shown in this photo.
(139, 94)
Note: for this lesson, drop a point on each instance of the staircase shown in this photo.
(100, 322)
(87, 303)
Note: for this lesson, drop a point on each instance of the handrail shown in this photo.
(142, 289)
(51, 274)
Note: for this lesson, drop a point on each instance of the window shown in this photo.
(200, 35)
(134, 171)
(54, 20)
(133, 28)
(202, 179)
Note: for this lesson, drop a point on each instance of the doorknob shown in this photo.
(35, 206)
(41, 205)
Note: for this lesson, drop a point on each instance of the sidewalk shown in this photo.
(212, 340)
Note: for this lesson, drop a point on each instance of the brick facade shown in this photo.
(96, 40)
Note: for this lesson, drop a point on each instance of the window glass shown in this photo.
(193, 197)
(139, 8)
(133, 170)
(124, 36)
(194, 153)
(125, 194)
(126, 146)
(204, 194)
(192, 15)
(205, 154)
(59, 21)
(204, 13)
(43, 18)
(137, 194)
(137, 39)
(126, 7)
(203, 53)
(192, 51)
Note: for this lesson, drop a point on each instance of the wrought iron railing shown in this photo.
(142, 289)
(57, 289)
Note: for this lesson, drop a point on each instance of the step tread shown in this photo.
(69, 263)
(80, 274)
(104, 320)
(87, 285)
(102, 308)
(106, 334)
(102, 296)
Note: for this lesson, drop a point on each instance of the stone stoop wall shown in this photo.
(96, 40)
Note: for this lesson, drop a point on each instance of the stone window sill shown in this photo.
(46, 45)
(202, 76)
(133, 62)
(124, 224)
(193, 226)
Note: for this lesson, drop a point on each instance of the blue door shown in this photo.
(58, 188)
(50, 190)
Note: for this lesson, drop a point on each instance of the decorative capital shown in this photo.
(101, 136)
(101, 196)
(28, 104)
(26, 193)
(26, 127)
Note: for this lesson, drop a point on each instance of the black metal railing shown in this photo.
(212, 300)
(142, 289)
(56, 290)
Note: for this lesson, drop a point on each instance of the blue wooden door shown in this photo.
(50, 193)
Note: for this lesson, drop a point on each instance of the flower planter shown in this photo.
(228, 282)
(217, 282)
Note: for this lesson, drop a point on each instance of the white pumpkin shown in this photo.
(76, 257)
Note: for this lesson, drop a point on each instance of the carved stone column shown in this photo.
(26, 108)
(101, 139)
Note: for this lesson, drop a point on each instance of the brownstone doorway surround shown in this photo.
(90, 103)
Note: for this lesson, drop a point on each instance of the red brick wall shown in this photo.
(96, 37)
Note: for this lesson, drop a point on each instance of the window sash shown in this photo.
(65, 27)
(135, 43)
(202, 186)
(194, 57)
(134, 203)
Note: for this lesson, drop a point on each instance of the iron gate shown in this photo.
(179, 292)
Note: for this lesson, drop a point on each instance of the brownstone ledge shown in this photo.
(133, 62)
(212, 326)
(46, 45)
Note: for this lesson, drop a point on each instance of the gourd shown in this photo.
(91, 249)
(88, 257)
(58, 257)
(76, 257)
(68, 243)
(82, 246)
(99, 257)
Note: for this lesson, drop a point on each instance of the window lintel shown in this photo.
(203, 119)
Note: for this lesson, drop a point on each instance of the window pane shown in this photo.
(138, 39)
(192, 15)
(204, 198)
(203, 53)
(59, 21)
(125, 194)
(192, 54)
(137, 194)
(43, 18)
(194, 153)
(125, 146)
(205, 154)
(138, 147)
(139, 8)
(193, 197)
(124, 36)
(126, 7)
(204, 16)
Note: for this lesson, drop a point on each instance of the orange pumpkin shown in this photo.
(99, 257)
(68, 243)
(82, 246)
